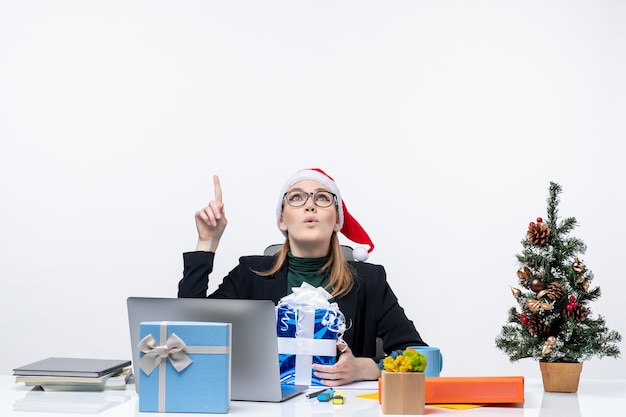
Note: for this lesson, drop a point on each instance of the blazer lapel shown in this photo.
(276, 286)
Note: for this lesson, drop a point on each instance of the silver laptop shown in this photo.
(255, 374)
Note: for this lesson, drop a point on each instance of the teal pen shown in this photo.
(326, 395)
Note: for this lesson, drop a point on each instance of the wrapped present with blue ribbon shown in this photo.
(309, 328)
(185, 367)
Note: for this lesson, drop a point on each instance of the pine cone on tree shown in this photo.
(538, 233)
(536, 326)
(578, 313)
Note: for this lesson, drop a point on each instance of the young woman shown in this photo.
(310, 213)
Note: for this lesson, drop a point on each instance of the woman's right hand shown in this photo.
(211, 221)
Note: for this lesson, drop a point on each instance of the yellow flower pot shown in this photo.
(403, 392)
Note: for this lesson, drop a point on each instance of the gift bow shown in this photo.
(309, 295)
(174, 349)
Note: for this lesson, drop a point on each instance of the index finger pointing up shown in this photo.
(218, 188)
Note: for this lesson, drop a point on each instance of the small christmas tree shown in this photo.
(554, 322)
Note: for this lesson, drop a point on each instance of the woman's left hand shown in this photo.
(347, 369)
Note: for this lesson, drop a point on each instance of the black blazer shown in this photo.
(371, 308)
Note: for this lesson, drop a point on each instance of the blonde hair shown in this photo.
(341, 273)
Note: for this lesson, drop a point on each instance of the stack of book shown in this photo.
(75, 374)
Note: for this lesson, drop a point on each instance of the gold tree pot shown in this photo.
(560, 376)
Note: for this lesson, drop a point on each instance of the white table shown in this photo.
(595, 398)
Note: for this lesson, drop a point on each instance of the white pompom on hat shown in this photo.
(348, 225)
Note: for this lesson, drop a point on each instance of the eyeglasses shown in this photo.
(321, 198)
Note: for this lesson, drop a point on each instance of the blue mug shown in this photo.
(434, 359)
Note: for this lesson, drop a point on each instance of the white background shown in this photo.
(443, 123)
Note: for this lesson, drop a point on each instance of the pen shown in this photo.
(326, 396)
(316, 393)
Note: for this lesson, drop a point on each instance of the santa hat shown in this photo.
(347, 224)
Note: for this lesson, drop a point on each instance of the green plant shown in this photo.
(408, 360)
(554, 322)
